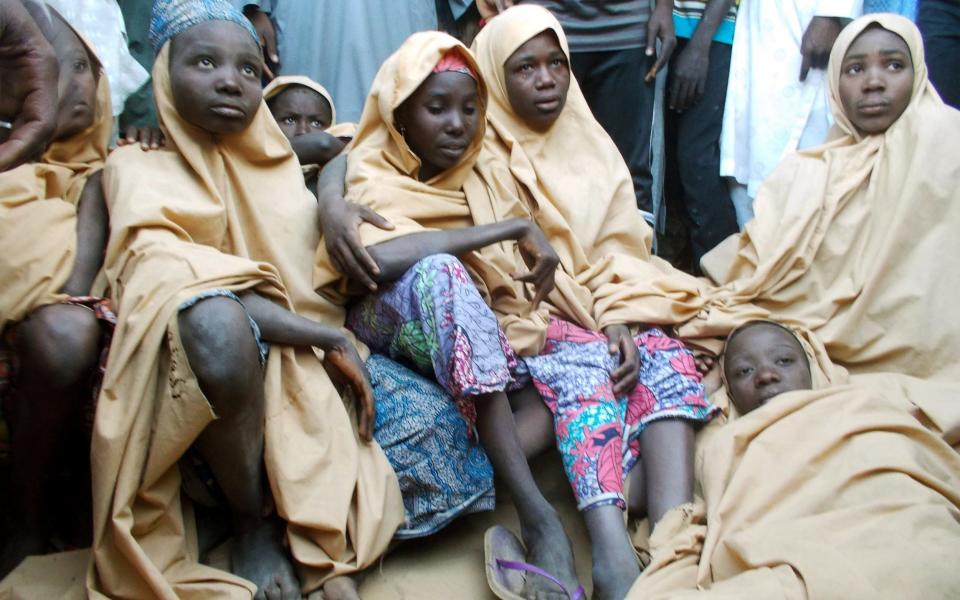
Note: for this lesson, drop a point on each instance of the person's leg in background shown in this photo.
(939, 22)
(622, 102)
(710, 212)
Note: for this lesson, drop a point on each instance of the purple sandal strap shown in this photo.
(578, 594)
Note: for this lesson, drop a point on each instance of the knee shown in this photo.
(218, 341)
(59, 345)
(441, 263)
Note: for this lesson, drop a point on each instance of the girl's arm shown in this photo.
(316, 148)
(343, 364)
(92, 231)
(396, 256)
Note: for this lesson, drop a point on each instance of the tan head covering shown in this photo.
(581, 191)
(382, 173)
(230, 212)
(38, 211)
(856, 239)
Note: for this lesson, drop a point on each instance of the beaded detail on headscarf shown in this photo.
(454, 61)
(171, 17)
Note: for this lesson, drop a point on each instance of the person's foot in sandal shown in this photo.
(510, 577)
(548, 547)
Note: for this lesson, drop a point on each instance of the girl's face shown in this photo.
(215, 75)
(439, 120)
(300, 110)
(537, 78)
(763, 361)
(876, 80)
(77, 85)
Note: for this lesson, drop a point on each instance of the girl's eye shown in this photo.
(896, 65)
(469, 109)
(316, 124)
(205, 62)
(785, 361)
(80, 66)
(526, 67)
(558, 62)
(743, 371)
(288, 120)
(250, 70)
(854, 69)
(435, 110)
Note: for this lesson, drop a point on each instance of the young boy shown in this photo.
(762, 360)
(53, 330)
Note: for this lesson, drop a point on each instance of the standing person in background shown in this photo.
(776, 98)
(613, 55)
(138, 121)
(939, 22)
(907, 8)
(339, 43)
(698, 89)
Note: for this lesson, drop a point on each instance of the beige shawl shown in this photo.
(219, 212)
(38, 212)
(580, 190)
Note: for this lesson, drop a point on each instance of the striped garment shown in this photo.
(687, 15)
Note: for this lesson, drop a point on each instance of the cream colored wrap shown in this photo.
(580, 190)
(825, 494)
(212, 212)
(857, 239)
(38, 211)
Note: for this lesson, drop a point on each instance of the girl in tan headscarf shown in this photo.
(856, 239)
(305, 112)
(53, 227)
(209, 264)
(581, 194)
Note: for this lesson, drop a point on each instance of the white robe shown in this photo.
(769, 111)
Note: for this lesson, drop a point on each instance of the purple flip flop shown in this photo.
(506, 569)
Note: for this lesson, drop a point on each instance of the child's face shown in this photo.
(215, 76)
(440, 119)
(300, 110)
(763, 361)
(77, 85)
(537, 78)
(876, 80)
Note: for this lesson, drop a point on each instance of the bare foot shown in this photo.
(18, 546)
(341, 588)
(548, 547)
(612, 581)
(258, 555)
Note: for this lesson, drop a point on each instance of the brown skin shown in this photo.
(149, 138)
(77, 86)
(764, 360)
(688, 73)
(817, 43)
(268, 37)
(876, 80)
(28, 80)
(537, 78)
(215, 75)
(439, 120)
(660, 27)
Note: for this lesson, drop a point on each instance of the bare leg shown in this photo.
(223, 354)
(534, 422)
(637, 497)
(547, 543)
(667, 452)
(58, 348)
(615, 566)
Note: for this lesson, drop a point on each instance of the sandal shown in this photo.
(506, 570)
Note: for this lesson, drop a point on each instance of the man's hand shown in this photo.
(268, 38)
(149, 138)
(689, 77)
(660, 27)
(817, 43)
(28, 85)
(541, 260)
(346, 369)
(621, 342)
(340, 223)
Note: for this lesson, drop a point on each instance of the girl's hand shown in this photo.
(340, 224)
(540, 258)
(346, 368)
(150, 138)
(625, 376)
